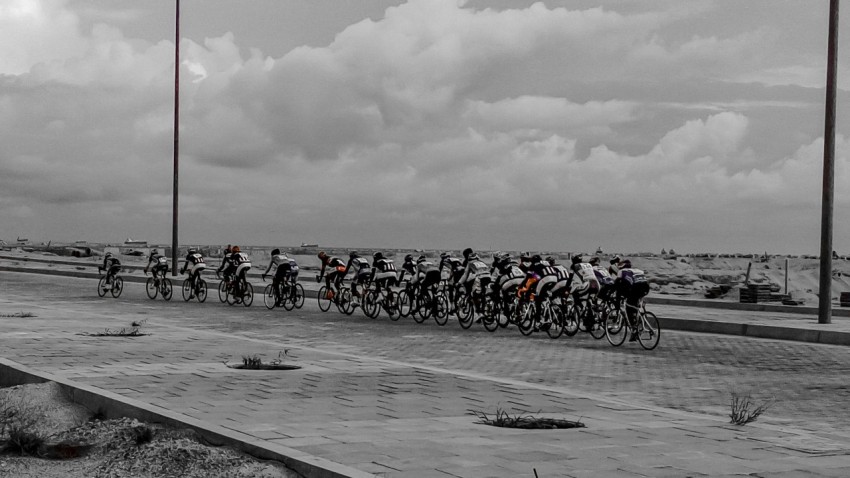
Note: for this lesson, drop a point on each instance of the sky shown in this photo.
(554, 125)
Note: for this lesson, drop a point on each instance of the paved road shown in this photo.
(689, 372)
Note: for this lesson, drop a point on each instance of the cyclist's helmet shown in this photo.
(467, 252)
(322, 255)
(525, 256)
(594, 261)
(192, 250)
(353, 254)
(108, 254)
(445, 255)
(551, 261)
(275, 252)
(378, 256)
(235, 250)
(408, 258)
(615, 260)
(473, 257)
(576, 259)
(626, 264)
(536, 258)
(421, 259)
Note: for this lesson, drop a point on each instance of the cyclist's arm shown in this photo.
(269, 268)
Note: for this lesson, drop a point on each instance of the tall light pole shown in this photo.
(825, 290)
(174, 241)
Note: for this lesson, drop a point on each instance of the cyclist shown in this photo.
(453, 268)
(509, 275)
(603, 277)
(614, 266)
(475, 275)
(283, 272)
(111, 265)
(362, 272)
(586, 285)
(427, 273)
(383, 272)
(632, 285)
(157, 264)
(227, 266)
(562, 274)
(196, 259)
(335, 268)
(242, 263)
(409, 268)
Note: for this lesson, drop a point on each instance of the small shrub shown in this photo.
(142, 434)
(524, 420)
(24, 441)
(744, 408)
(20, 315)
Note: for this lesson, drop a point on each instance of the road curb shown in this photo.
(112, 405)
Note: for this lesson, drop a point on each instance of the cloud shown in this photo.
(437, 122)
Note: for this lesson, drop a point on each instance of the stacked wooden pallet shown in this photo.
(754, 293)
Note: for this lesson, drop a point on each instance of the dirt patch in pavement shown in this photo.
(65, 440)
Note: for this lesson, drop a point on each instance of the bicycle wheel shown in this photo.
(269, 299)
(222, 291)
(490, 321)
(230, 297)
(167, 290)
(422, 307)
(370, 304)
(117, 287)
(615, 327)
(441, 315)
(187, 290)
(151, 288)
(526, 318)
(571, 320)
(248, 295)
(101, 287)
(556, 320)
(324, 298)
(201, 294)
(597, 330)
(391, 305)
(298, 300)
(649, 330)
(287, 298)
(464, 311)
(344, 303)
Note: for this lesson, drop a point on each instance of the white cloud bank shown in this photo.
(435, 126)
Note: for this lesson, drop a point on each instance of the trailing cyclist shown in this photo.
(193, 265)
(362, 272)
(409, 267)
(508, 274)
(451, 269)
(561, 285)
(632, 286)
(242, 265)
(605, 280)
(333, 271)
(475, 278)
(111, 265)
(583, 284)
(157, 265)
(427, 273)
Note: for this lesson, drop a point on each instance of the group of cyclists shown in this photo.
(530, 277)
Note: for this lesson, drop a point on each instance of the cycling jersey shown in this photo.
(157, 264)
(194, 263)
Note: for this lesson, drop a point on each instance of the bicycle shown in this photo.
(195, 287)
(338, 294)
(237, 291)
(289, 295)
(387, 300)
(157, 284)
(116, 286)
(647, 329)
(584, 315)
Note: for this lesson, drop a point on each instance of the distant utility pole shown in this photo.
(825, 291)
(174, 241)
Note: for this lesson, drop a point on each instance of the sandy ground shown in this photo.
(80, 446)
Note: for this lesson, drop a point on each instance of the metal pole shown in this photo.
(825, 290)
(174, 241)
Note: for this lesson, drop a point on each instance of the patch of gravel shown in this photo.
(76, 445)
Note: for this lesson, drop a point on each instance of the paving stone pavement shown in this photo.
(394, 398)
